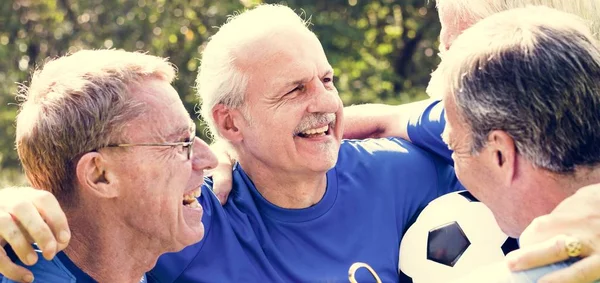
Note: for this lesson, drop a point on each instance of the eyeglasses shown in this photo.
(189, 145)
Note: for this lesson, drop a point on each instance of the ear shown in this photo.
(94, 176)
(227, 122)
(503, 154)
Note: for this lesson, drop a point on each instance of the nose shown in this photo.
(203, 158)
(325, 99)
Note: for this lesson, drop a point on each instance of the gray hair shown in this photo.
(77, 104)
(475, 10)
(535, 74)
(220, 80)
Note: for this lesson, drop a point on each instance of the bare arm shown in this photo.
(379, 120)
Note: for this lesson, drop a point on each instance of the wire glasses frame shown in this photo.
(189, 145)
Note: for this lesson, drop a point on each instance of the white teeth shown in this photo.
(316, 131)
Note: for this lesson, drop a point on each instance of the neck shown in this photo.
(285, 189)
(547, 189)
(106, 249)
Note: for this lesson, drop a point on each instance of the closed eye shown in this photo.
(298, 88)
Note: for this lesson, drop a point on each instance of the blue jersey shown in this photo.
(373, 194)
(59, 269)
(425, 130)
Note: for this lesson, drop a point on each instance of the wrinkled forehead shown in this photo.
(282, 53)
(163, 114)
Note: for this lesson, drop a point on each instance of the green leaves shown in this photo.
(382, 50)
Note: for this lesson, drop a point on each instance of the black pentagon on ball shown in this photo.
(510, 245)
(446, 244)
(468, 196)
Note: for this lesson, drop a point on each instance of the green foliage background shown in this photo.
(382, 50)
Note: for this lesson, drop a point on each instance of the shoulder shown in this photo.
(395, 161)
(385, 151)
(44, 270)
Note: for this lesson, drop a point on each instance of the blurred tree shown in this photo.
(382, 50)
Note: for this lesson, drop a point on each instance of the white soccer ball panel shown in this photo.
(475, 221)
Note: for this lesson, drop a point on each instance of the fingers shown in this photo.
(586, 270)
(12, 271)
(30, 221)
(12, 235)
(547, 252)
(53, 215)
(222, 181)
(222, 174)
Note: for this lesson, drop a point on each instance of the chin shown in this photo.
(510, 229)
(323, 165)
(190, 236)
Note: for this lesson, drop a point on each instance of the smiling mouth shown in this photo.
(316, 132)
(190, 199)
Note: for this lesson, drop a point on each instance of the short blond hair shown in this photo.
(77, 104)
(475, 10)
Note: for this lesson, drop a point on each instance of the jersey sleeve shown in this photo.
(425, 130)
(43, 271)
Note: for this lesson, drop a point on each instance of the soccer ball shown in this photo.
(453, 236)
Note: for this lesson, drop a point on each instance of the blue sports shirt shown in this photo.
(59, 269)
(373, 194)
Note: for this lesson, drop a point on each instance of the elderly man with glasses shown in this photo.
(105, 134)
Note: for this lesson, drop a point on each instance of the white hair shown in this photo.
(220, 79)
(475, 10)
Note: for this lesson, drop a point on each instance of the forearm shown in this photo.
(374, 121)
(366, 120)
(379, 120)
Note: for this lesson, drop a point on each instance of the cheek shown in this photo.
(462, 167)
(458, 168)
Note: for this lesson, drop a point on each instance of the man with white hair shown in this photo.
(305, 205)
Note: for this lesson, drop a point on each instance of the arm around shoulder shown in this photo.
(380, 120)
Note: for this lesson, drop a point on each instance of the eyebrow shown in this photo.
(303, 80)
(182, 130)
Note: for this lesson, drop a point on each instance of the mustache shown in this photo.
(314, 120)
